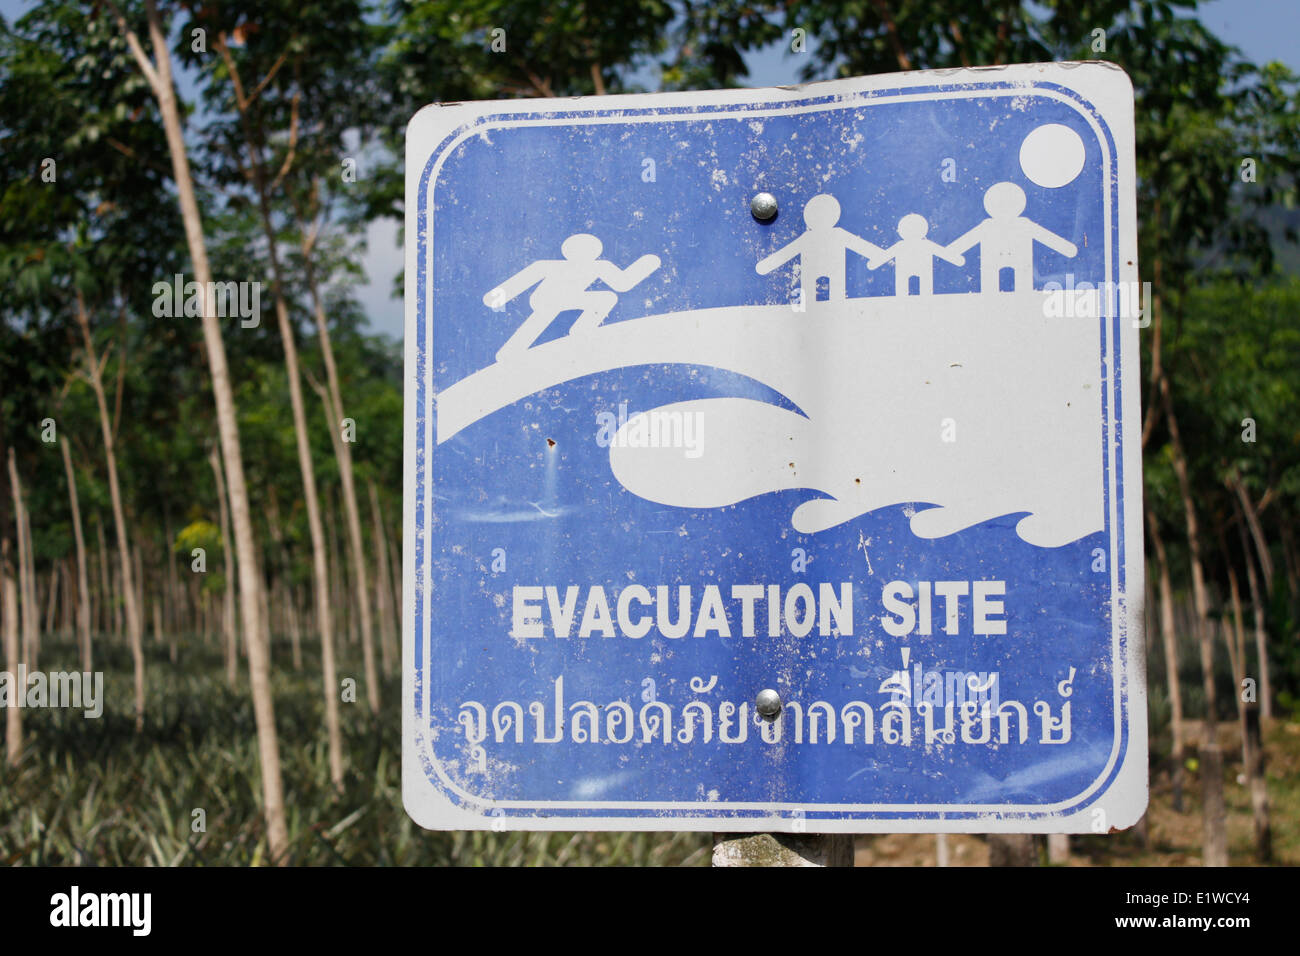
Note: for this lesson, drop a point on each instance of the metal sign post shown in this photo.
(772, 459)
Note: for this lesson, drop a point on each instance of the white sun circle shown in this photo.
(1052, 155)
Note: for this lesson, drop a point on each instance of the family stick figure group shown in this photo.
(1006, 240)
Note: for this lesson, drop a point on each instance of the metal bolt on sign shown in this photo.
(763, 206)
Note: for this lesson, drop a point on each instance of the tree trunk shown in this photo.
(1246, 507)
(52, 600)
(159, 74)
(13, 657)
(384, 584)
(9, 605)
(1170, 639)
(295, 629)
(83, 587)
(105, 591)
(27, 609)
(1258, 787)
(1292, 562)
(333, 400)
(134, 626)
(305, 465)
(115, 579)
(1216, 835)
(284, 586)
(228, 605)
(67, 623)
(139, 587)
(1058, 848)
(32, 619)
(1252, 711)
(395, 562)
(336, 570)
(1235, 639)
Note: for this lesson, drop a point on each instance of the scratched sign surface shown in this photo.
(877, 454)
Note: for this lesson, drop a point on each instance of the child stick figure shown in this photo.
(913, 255)
(1006, 239)
(563, 288)
(821, 249)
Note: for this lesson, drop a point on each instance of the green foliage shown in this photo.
(95, 792)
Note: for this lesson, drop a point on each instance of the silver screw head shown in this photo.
(763, 206)
(768, 703)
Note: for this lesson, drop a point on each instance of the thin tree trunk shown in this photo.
(171, 608)
(159, 75)
(1216, 834)
(103, 619)
(51, 600)
(1058, 848)
(1235, 639)
(295, 628)
(83, 587)
(9, 604)
(289, 623)
(310, 494)
(1292, 562)
(27, 609)
(139, 586)
(68, 604)
(1252, 711)
(13, 657)
(134, 625)
(228, 607)
(1246, 507)
(1258, 787)
(31, 622)
(115, 580)
(336, 569)
(1256, 531)
(333, 400)
(1169, 635)
(395, 562)
(384, 586)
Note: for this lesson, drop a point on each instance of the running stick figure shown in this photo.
(563, 288)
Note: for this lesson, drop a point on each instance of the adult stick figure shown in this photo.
(821, 249)
(913, 255)
(1006, 239)
(563, 288)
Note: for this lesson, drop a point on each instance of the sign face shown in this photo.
(826, 521)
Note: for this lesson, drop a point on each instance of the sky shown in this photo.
(1263, 29)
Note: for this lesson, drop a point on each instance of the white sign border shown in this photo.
(1107, 90)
